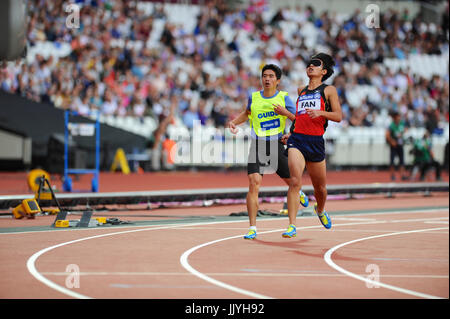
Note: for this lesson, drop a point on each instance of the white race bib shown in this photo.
(311, 101)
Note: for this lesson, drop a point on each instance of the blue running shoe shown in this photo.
(304, 200)
(324, 218)
(290, 232)
(250, 235)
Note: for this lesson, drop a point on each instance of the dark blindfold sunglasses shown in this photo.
(314, 62)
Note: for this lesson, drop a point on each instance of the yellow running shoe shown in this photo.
(250, 235)
(304, 200)
(323, 217)
(290, 232)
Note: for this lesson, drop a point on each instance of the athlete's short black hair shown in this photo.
(328, 64)
(274, 68)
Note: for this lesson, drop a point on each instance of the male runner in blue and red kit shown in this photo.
(317, 104)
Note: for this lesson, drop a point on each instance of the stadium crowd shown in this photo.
(147, 81)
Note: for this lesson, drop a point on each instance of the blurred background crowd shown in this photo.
(128, 60)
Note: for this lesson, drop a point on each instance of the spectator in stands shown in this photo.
(191, 117)
(160, 134)
(81, 105)
(114, 38)
(202, 112)
(137, 106)
(446, 157)
(110, 105)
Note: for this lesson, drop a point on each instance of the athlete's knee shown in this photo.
(320, 190)
(254, 183)
(295, 182)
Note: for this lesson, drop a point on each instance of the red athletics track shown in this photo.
(403, 242)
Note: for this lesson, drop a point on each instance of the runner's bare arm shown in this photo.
(336, 111)
(241, 118)
(283, 111)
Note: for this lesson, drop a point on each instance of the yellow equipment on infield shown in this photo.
(28, 208)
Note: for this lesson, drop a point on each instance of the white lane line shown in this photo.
(394, 211)
(357, 219)
(185, 263)
(436, 222)
(232, 274)
(331, 263)
(418, 220)
(31, 262)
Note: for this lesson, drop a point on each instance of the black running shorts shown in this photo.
(267, 157)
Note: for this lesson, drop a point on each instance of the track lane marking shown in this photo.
(31, 262)
(185, 263)
(233, 274)
(332, 264)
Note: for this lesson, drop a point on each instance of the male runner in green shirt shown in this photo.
(266, 152)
